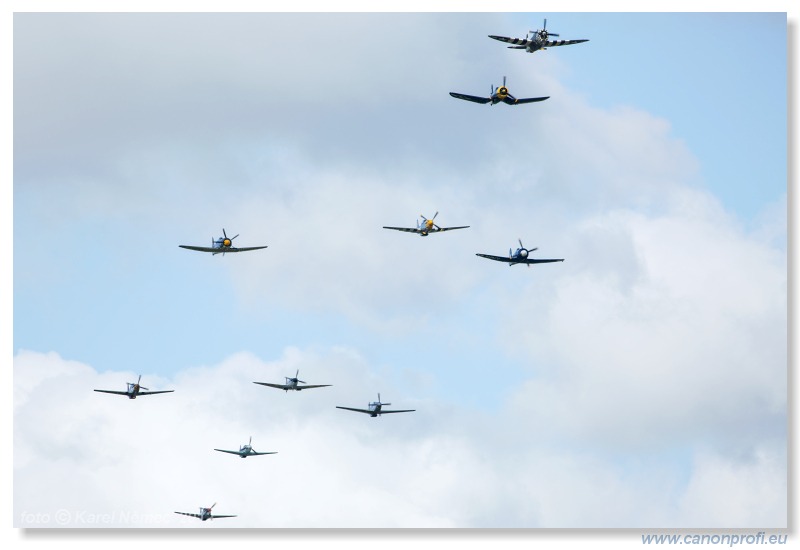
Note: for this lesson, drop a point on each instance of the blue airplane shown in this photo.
(520, 256)
(497, 95)
(221, 245)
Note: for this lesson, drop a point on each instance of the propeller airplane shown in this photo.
(375, 409)
(134, 390)
(221, 246)
(425, 227)
(520, 256)
(536, 40)
(498, 94)
(246, 450)
(205, 514)
(293, 384)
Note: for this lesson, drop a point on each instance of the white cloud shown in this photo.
(93, 457)
(653, 360)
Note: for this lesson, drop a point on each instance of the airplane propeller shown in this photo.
(227, 241)
(543, 34)
(295, 379)
(424, 217)
(523, 252)
(138, 383)
(503, 90)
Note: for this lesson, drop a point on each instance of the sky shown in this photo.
(640, 383)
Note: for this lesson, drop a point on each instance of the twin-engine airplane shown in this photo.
(518, 257)
(539, 40)
(425, 227)
(246, 450)
(293, 384)
(134, 390)
(205, 513)
(221, 246)
(497, 95)
(375, 409)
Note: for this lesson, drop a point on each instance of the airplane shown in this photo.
(134, 390)
(520, 256)
(425, 226)
(221, 246)
(205, 513)
(375, 409)
(497, 95)
(292, 384)
(246, 450)
(539, 40)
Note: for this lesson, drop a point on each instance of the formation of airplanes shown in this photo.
(533, 41)
(497, 95)
(246, 450)
(536, 40)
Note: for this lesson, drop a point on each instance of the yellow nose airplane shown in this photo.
(425, 227)
(221, 245)
(498, 94)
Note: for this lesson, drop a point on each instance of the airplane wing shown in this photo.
(509, 261)
(243, 249)
(114, 392)
(188, 514)
(474, 99)
(220, 250)
(495, 258)
(231, 452)
(551, 43)
(526, 100)
(450, 228)
(279, 386)
(200, 249)
(153, 392)
(356, 410)
(216, 517)
(534, 261)
(269, 453)
(523, 43)
(407, 229)
(405, 411)
(313, 386)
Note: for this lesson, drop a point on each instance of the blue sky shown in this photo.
(657, 169)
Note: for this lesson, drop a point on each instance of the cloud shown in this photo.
(83, 456)
(624, 387)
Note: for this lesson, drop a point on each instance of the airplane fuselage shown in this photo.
(500, 95)
(520, 255)
(425, 227)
